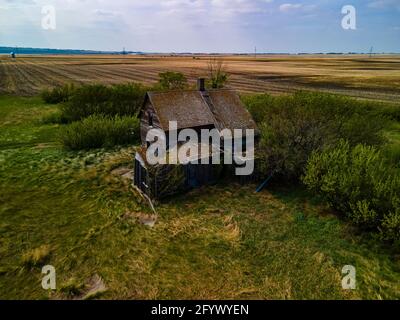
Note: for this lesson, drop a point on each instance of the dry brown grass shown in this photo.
(360, 76)
(35, 256)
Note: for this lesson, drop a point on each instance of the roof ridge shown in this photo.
(206, 97)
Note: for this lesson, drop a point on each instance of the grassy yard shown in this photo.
(71, 210)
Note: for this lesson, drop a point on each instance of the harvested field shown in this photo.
(377, 77)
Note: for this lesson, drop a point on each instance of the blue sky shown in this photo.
(203, 25)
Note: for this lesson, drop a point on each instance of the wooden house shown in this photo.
(195, 109)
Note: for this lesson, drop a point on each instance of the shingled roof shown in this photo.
(194, 108)
(229, 111)
(187, 108)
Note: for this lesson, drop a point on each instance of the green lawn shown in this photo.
(222, 242)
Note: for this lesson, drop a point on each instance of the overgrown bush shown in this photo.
(97, 131)
(392, 153)
(54, 118)
(218, 77)
(172, 81)
(294, 126)
(391, 111)
(58, 94)
(357, 182)
(165, 180)
(121, 100)
(259, 105)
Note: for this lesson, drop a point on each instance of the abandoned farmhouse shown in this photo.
(199, 109)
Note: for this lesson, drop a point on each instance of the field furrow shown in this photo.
(356, 76)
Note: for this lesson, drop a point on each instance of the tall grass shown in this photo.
(99, 131)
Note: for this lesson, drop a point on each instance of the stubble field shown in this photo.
(376, 77)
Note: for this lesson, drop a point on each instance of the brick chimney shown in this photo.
(201, 84)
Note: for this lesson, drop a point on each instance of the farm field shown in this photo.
(376, 77)
(75, 211)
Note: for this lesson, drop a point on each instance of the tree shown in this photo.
(293, 127)
(172, 81)
(217, 73)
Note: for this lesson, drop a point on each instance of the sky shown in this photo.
(225, 26)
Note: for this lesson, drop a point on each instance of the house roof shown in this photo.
(230, 112)
(187, 108)
(192, 108)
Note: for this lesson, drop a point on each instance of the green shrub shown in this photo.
(121, 100)
(294, 126)
(259, 105)
(392, 153)
(58, 94)
(391, 226)
(358, 183)
(172, 81)
(165, 180)
(99, 131)
(390, 111)
(54, 118)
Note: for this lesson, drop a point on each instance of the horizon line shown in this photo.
(93, 51)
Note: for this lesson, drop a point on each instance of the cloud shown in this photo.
(18, 2)
(296, 7)
(287, 7)
(237, 7)
(105, 13)
(384, 4)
